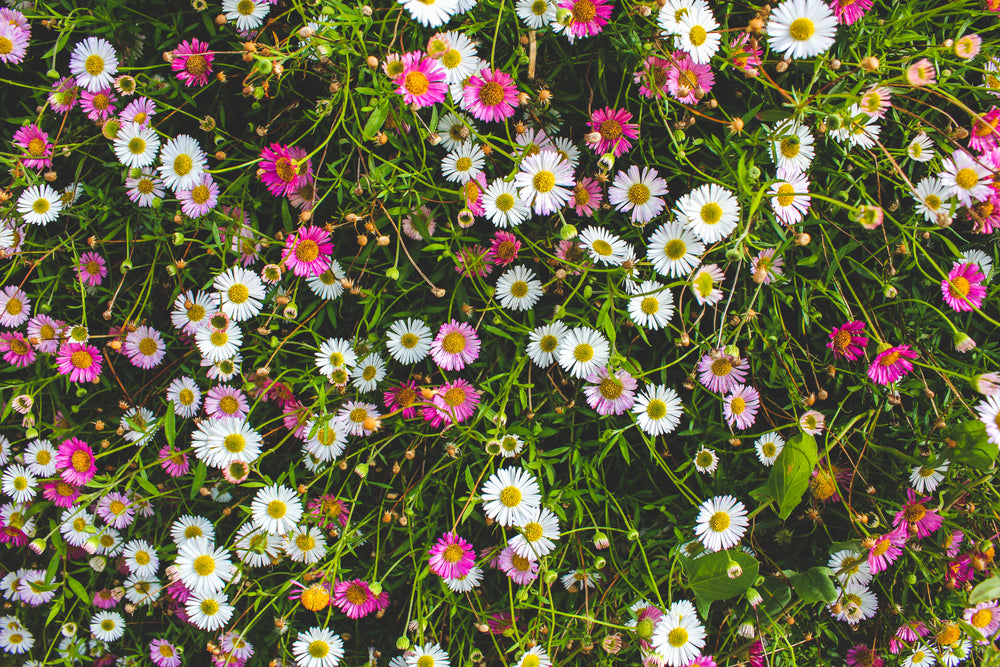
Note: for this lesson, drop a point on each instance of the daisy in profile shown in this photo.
(451, 556)
(614, 131)
(536, 14)
(740, 407)
(610, 394)
(966, 179)
(422, 82)
(698, 36)
(504, 206)
(318, 647)
(603, 246)
(544, 341)
(93, 64)
(638, 192)
(430, 14)
(891, 364)
(466, 582)
(241, 293)
(182, 162)
(511, 496)
(246, 14)
(518, 289)
(368, 373)
(455, 346)
(209, 611)
(585, 18)
(711, 212)
(489, 95)
(582, 351)
(679, 636)
(963, 290)
(145, 347)
(544, 182)
(801, 28)
(408, 341)
(658, 410)
(792, 146)
(721, 522)
(921, 148)
(39, 205)
(202, 567)
(674, 250)
(925, 479)
(768, 447)
(790, 196)
(653, 305)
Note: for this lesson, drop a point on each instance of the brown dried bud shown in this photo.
(372, 62)
(755, 26)
(382, 240)
(869, 64)
(781, 66)
(362, 240)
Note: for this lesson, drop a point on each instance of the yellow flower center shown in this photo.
(452, 553)
(611, 388)
(583, 11)
(544, 181)
(204, 565)
(453, 342)
(81, 359)
(966, 178)
(678, 637)
(94, 64)
(276, 509)
(584, 352)
(719, 522)
(610, 129)
(183, 164)
(650, 305)
(801, 29)
(510, 496)
(318, 648)
(697, 35)
(196, 64)
(491, 93)
(639, 194)
(417, 83)
(786, 194)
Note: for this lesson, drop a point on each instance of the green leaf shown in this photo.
(374, 122)
(973, 448)
(985, 590)
(78, 589)
(708, 576)
(790, 475)
(776, 594)
(169, 427)
(199, 478)
(144, 482)
(815, 585)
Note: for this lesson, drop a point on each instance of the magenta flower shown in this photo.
(328, 510)
(610, 394)
(846, 341)
(45, 331)
(883, 550)
(402, 399)
(860, 655)
(847, 12)
(455, 346)
(36, 146)
(282, 169)
(652, 79)
(107, 598)
(200, 199)
(646, 618)
(80, 361)
(453, 402)
(587, 17)
(76, 463)
(99, 105)
(891, 364)
(15, 39)
(451, 556)
(225, 401)
(586, 197)
(60, 494)
(192, 63)
(916, 514)
(307, 252)
(746, 55)
(963, 289)
(116, 510)
(490, 95)
(688, 81)
(91, 269)
(984, 137)
(615, 129)
(519, 569)
(354, 598)
(422, 81)
(17, 350)
(504, 248)
(64, 95)
(173, 461)
(720, 372)
(740, 407)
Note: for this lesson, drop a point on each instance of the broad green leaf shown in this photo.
(985, 590)
(972, 447)
(790, 475)
(776, 594)
(199, 478)
(78, 589)
(815, 585)
(169, 428)
(708, 576)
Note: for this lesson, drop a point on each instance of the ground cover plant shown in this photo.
(443, 332)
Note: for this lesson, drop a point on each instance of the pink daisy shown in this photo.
(307, 252)
(328, 510)
(846, 340)
(504, 248)
(473, 192)
(610, 395)
(707, 661)
(963, 289)
(740, 407)
(15, 306)
(652, 79)
(451, 556)
(224, 401)
(192, 62)
(586, 197)
(422, 81)
(984, 133)
(921, 73)
(812, 422)
(826, 480)
(883, 550)
(173, 461)
(139, 111)
(64, 95)
(490, 95)
(116, 510)
(15, 39)
(849, 11)
(60, 494)
(746, 54)
(519, 569)
(75, 459)
(765, 267)
(984, 617)
(891, 364)
(43, 332)
(99, 105)
(688, 81)
(17, 350)
(587, 17)
(281, 170)
(36, 146)
(860, 655)
(403, 399)
(455, 346)
(952, 543)
(91, 269)
(474, 261)
(354, 598)
(721, 372)
(107, 598)
(915, 514)
(80, 361)
(200, 199)
(164, 654)
(615, 129)
(453, 402)
(145, 347)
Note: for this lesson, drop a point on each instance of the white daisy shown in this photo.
(464, 163)
(16, 639)
(305, 544)
(202, 567)
(857, 128)
(544, 341)
(140, 558)
(768, 447)
(139, 425)
(536, 14)
(801, 28)
(696, 32)
(504, 206)
(582, 351)
(335, 354)
(856, 603)
(355, 414)
(850, 566)
(653, 305)
(93, 64)
(368, 373)
(191, 310)
(792, 146)
(705, 284)
(790, 199)
(511, 497)
(219, 344)
(108, 626)
(567, 150)
(40, 457)
(534, 657)
(518, 289)
(673, 11)
(721, 522)
(576, 580)
(430, 13)
(186, 396)
(327, 438)
(409, 340)
(639, 192)
(537, 535)
(711, 212)
(141, 590)
(76, 525)
(932, 198)
(460, 60)
(679, 636)
(219, 442)
(182, 162)
(965, 178)
(276, 509)
(954, 654)
(255, 547)
(428, 655)
(189, 527)
(248, 14)
(603, 246)
(136, 145)
(984, 261)
(545, 182)
(706, 461)
(18, 483)
(327, 285)
(510, 446)
(674, 250)
(209, 611)
(39, 205)
(465, 583)
(922, 656)
(241, 292)
(658, 410)
(317, 647)
(455, 129)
